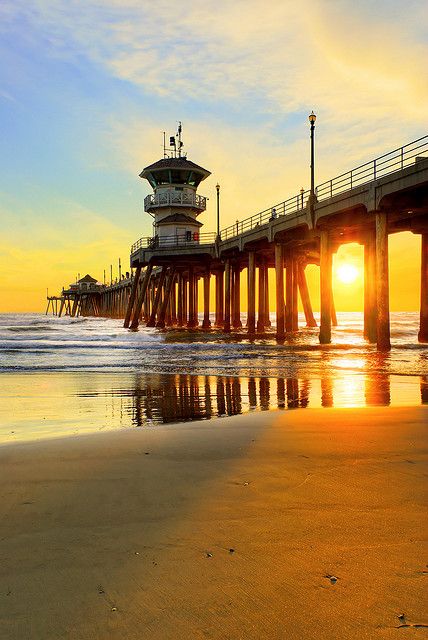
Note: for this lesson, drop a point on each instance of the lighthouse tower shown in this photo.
(174, 204)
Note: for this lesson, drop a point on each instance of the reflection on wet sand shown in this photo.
(424, 389)
(175, 398)
(377, 391)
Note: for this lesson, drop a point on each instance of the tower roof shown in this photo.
(179, 217)
(174, 163)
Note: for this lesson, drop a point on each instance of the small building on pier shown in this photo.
(86, 284)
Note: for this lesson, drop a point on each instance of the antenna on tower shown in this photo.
(164, 144)
(180, 144)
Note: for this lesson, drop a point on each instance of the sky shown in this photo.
(86, 89)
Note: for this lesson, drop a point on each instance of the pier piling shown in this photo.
(280, 304)
(423, 326)
(251, 306)
(325, 288)
(382, 282)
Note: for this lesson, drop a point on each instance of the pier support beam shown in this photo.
(333, 311)
(193, 309)
(280, 305)
(166, 299)
(267, 321)
(185, 300)
(173, 303)
(157, 300)
(251, 306)
(291, 311)
(227, 296)
(141, 295)
(219, 298)
(325, 287)
(206, 322)
(295, 307)
(236, 316)
(423, 328)
(180, 301)
(196, 299)
(382, 282)
(132, 297)
(304, 296)
(262, 299)
(74, 308)
(370, 287)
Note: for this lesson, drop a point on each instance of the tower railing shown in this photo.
(384, 165)
(175, 198)
(181, 240)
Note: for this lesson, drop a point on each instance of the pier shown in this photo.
(365, 205)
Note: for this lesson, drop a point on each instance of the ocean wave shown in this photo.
(31, 329)
(46, 343)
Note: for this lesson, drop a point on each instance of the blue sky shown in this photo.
(87, 87)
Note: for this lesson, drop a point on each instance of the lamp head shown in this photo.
(302, 191)
(217, 186)
(312, 118)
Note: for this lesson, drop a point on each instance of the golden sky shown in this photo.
(87, 88)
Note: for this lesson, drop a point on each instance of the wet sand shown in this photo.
(295, 525)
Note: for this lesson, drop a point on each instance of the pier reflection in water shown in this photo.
(174, 398)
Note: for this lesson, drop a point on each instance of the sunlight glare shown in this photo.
(347, 273)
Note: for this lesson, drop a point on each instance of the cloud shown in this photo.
(248, 69)
(333, 53)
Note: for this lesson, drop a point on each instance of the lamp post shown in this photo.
(218, 210)
(302, 192)
(312, 118)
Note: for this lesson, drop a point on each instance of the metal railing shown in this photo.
(176, 198)
(170, 242)
(296, 203)
(384, 165)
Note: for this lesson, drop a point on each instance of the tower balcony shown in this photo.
(176, 199)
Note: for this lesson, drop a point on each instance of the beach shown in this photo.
(275, 524)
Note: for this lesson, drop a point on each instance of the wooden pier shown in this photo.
(365, 205)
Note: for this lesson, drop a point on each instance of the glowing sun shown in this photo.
(347, 273)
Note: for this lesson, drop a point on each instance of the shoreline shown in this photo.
(129, 533)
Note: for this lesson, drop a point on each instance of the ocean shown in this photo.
(62, 376)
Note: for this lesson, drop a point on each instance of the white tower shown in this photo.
(175, 205)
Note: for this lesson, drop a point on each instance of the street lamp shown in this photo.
(312, 118)
(218, 210)
(302, 193)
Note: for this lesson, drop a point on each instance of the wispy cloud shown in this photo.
(333, 54)
(258, 69)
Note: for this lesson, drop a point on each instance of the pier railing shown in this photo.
(190, 239)
(289, 206)
(384, 165)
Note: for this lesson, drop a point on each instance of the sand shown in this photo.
(223, 529)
